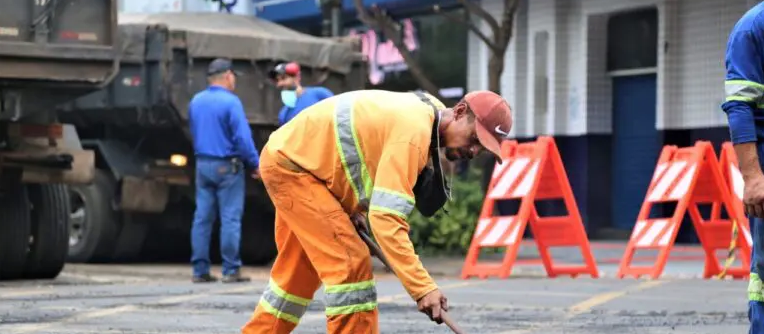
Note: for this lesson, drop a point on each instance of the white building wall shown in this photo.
(691, 43)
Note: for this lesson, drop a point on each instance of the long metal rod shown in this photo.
(378, 253)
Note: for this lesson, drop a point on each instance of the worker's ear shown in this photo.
(460, 110)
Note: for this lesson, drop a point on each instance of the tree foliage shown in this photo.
(450, 233)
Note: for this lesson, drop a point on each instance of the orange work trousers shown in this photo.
(317, 243)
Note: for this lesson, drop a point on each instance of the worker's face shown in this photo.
(287, 82)
(461, 140)
(230, 80)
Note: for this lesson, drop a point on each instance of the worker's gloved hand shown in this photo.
(433, 304)
(359, 220)
(753, 196)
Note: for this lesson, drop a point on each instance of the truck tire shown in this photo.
(15, 230)
(50, 230)
(131, 237)
(94, 228)
(258, 244)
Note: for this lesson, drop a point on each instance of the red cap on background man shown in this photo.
(290, 69)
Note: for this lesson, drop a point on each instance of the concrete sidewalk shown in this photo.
(685, 261)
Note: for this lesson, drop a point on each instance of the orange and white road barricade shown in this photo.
(687, 176)
(741, 230)
(529, 172)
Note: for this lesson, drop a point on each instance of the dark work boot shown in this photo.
(206, 278)
(235, 278)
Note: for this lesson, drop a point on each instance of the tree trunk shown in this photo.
(495, 69)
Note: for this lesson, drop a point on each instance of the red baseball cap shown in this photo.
(291, 69)
(493, 119)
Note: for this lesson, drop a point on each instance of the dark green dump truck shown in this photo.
(51, 52)
(142, 199)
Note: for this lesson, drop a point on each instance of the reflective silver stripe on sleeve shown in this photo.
(392, 202)
(349, 150)
(746, 91)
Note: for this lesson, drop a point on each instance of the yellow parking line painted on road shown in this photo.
(25, 293)
(124, 309)
(587, 305)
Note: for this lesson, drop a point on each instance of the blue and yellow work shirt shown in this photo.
(309, 97)
(219, 126)
(744, 85)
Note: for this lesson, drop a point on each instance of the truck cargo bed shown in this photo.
(164, 59)
(52, 51)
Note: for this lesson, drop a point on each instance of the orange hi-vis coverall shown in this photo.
(357, 150)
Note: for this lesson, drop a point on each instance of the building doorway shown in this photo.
(632, 43)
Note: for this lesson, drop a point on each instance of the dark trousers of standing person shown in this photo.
(220, 186)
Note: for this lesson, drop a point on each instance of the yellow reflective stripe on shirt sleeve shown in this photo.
(283, 305)
(744, 91)
(350, 298)
(755, 287)
(393, 202)
(349, 149)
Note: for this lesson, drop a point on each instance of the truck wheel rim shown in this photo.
(77, 217)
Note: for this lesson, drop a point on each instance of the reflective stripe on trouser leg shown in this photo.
(755, 286)
(283, 305)
(350, 298)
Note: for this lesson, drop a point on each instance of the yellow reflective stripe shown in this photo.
(755, 288)
(283, 294)
(349, 287)
(337, 310)
(744, 83)
(349, 149)
(740, 98)
(278, 314)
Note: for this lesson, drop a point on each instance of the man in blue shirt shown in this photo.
(223, 147)
(293, 94)
(744, 87)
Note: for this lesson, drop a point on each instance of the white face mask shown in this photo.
(289, 97)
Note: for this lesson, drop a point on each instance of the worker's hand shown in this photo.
(255, 175)
(433, 304)
(359, 220)
(753, 196)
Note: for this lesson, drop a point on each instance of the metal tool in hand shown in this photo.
(378, 253)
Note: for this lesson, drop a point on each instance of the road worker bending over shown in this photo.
(355, 154)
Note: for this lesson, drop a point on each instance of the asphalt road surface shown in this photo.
(144, 303)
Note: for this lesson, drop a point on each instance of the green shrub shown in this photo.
(448, 234)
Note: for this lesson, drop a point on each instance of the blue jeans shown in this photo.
(218, 188)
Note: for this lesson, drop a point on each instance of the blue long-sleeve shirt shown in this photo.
(219, 126)
(744, 82)
(309, 97)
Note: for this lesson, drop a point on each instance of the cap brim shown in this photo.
(488, 140)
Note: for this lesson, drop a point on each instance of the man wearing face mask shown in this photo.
(294, 96)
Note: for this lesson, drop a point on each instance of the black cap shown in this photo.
(221, 65)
